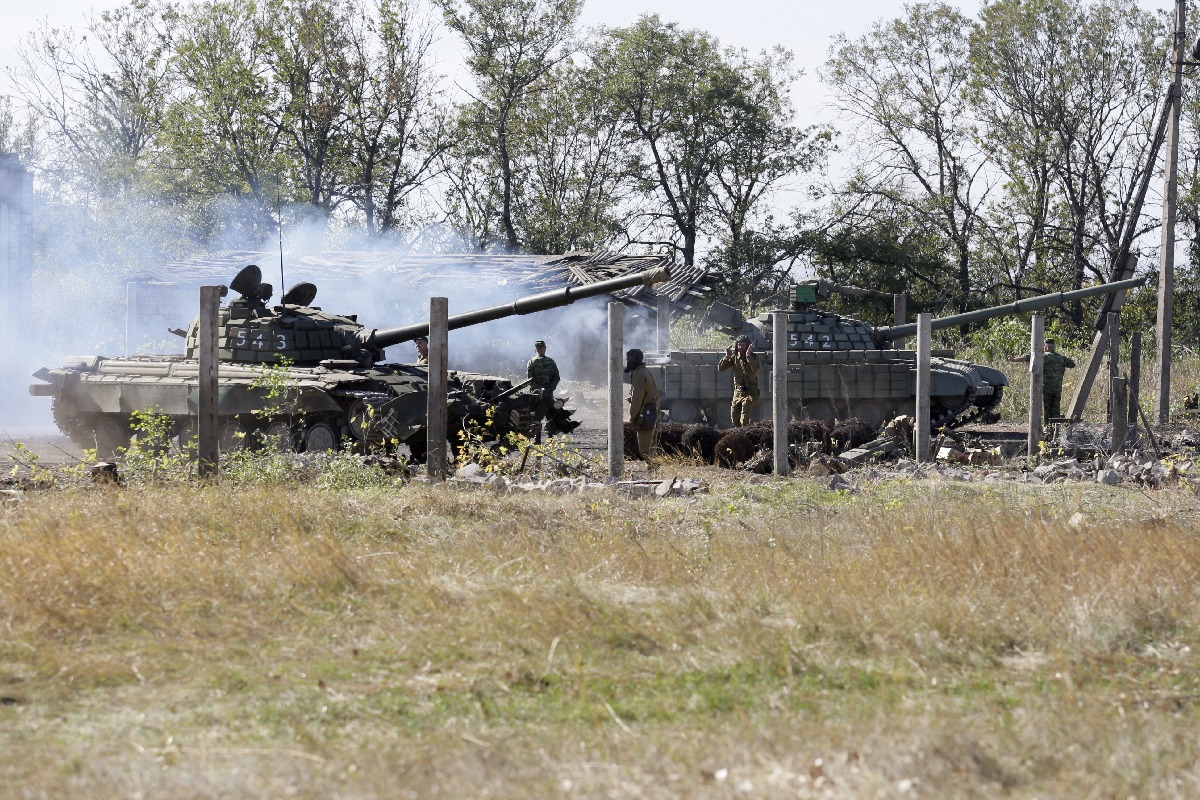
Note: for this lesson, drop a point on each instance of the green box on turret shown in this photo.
(806, 294)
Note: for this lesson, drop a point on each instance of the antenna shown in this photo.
(279, 212)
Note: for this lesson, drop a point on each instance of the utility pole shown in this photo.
(1166, 272)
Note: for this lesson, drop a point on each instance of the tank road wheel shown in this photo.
(280, 435)
(189, 432)
(111, 432)
(320, 438)
(870, 412)
(683, 411)
(231, 436)
(822, 410)
(722, 413)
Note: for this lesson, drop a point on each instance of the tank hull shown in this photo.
(320, 408)
(872, 385)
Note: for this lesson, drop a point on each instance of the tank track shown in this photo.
(980, 412)
(69, 421)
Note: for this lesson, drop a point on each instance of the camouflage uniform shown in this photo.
(645, 390)
(745, 384)
(544, 373)
(1054, 364)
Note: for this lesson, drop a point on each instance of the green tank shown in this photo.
(339, 385)
(839, 367)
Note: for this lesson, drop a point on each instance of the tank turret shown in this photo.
(840, 367)
(253, 333)
(338, 387)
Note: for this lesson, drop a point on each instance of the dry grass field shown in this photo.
(770, 639)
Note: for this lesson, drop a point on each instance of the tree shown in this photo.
(308, 60)
(905, 84)
(673, 88)
(763, 147)
(398, 131)
(511, 47)
(101, 94)
(225, 133)
(1068, 95)
(572, 159)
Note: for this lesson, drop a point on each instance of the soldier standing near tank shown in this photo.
(741, 359)
(643, 401)
(543, 373)
(422, 343)
(1054, 365)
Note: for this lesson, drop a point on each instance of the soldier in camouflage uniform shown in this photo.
(741, 358)
(543, 373)
(1054, 365)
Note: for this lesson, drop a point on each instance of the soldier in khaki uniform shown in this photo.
(422, 343)
(1054, 365)
(543, 373)
(741, 359)
(643, 401)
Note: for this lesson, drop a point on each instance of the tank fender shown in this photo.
(239, 399)
(992, 375)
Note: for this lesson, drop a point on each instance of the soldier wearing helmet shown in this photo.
(741, 359)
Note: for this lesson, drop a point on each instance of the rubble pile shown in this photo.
(472, 475)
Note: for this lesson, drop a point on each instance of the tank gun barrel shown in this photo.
(1020, 306)
(386, 337)
(852, 291)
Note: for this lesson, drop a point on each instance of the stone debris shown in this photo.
(11, 497)
(475, 476)
(104, 472)
(839, 484)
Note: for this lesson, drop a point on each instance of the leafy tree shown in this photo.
(1068, 93)
(573, 160)
(398, 132)
(100, 94)
(674, 90)
(763, 151)
(905, 85)
(308, 59)
(511, 47)
(225, 134)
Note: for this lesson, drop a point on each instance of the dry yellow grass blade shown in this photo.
(771, 639)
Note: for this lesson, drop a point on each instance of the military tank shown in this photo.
(331, 381)
(839, 367)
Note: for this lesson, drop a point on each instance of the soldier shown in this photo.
(741, 358)
(543, 373)
(1054, 364)
(643, 401)
(422, 343)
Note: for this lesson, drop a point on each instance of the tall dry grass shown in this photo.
(769, 640)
